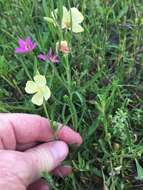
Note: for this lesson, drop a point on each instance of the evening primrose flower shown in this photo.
(71, 19)
(39, 88)
(25, 46)
(49, 57)
(62, 46)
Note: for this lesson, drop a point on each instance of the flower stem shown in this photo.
(45, 109)
(26, 71)
(46, 67)
(70, 91)
(68, 71)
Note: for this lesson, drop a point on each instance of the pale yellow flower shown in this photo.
(62, 46)
(39, 88)
(71, 19)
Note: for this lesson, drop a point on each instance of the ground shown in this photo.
(96, 90)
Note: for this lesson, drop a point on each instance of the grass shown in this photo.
(96, 90)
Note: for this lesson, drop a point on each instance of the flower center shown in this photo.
(27, 46)
(41, 89)
(68, 23)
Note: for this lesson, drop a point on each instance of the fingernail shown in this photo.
(59, 150)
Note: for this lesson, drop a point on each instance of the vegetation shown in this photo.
(96, 89)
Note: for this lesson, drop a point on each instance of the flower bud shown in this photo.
(62, 46)
(116, 146)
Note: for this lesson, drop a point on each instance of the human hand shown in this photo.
(22, 160)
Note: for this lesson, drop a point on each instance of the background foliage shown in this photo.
(97, 91)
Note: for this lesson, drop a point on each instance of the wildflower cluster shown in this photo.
(71, 20)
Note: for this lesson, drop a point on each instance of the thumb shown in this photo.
(44, 157)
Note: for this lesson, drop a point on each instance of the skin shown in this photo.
(28, 147)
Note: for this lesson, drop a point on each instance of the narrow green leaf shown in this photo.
(139, 171)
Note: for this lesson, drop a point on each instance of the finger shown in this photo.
(68, 135)
(28, 128)
(62, 171)
(44, 157)
(64, 133)
(1, 145)
(23, 128)
(23, 147)
(39, 185)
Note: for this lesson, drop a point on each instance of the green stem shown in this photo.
(68, 71)
(45, 109)
(69, 88)
(26, 71)
(46, 67)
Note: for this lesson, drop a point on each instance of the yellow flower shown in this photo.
(39, 88)
(62, 46)
(71, 19)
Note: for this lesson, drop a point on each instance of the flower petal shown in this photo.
(55, 59)
(31, 87)
(77, 17)
(21, 43)
(77, 28)
(34, 46)
(66, 17)
(20, 50)
(40, 80)
(37, 99)
(47, 93)
(49, 53)
(30, 43)
(42, 57)
(62, 46)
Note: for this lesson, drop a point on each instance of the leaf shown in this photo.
(123, 12)
(92, 128)
(3, 66)
(139, 171)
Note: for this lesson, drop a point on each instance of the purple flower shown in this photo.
(25, 46)
(49, 57)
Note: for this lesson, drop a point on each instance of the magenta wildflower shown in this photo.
(49, 57)
(25, 46)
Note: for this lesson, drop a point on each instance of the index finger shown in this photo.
(28, 128)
